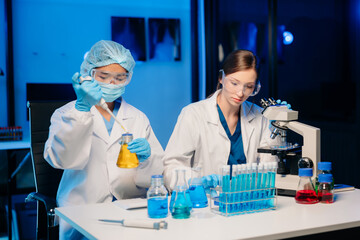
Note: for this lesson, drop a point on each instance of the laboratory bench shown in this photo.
(288, 220)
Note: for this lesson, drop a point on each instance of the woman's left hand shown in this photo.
(141, 147)
(283, 103)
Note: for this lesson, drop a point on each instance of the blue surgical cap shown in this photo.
(104, 53)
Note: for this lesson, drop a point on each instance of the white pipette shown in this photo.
(103, 104)
(139, 223)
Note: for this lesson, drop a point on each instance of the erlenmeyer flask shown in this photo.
(126, 159)
(196, 189)
(180, 203)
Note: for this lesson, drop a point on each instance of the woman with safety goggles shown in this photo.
(222, 129)
(84, 140)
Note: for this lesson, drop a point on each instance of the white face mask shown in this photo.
(111, 92)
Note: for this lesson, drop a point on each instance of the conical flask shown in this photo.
(180, 203)
(196, 189)
(127, 159)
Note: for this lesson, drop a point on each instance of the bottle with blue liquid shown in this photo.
(157, 198)
(196, 189)
(180, 203)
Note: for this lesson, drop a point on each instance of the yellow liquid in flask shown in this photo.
(127, 159)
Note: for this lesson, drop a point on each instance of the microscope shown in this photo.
(290, 156)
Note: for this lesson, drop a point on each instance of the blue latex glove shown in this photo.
(88, 93)
(210, 181)
(283, 103)
(141, 147)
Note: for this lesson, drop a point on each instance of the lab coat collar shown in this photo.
(213, 115)
(246, 113)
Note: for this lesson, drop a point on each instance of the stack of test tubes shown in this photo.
(11, 133)
(246, 188)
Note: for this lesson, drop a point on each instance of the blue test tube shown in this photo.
(233, 188)
(247, 179)
(242, 184)
(253, 185)
(265, 185)
(272, 173)
(238, 187)
(259, 187)
(225, 187)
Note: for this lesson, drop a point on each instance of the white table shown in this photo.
(288, 220)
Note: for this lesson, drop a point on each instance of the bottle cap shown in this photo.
(157, 176)
(324, 166)
(325, 178)
(305, 172)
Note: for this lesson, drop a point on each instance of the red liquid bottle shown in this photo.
(305, 193)
(325, 190)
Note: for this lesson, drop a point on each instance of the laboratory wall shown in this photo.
(3, 100)
(52, 36)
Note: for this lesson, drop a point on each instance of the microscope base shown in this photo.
(286, 184)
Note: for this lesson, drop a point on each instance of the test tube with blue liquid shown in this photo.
(272, 176)
(259, 187)
(265, 185)
(225, 188)
(233, 197)
(196, 189)
(242, 186)
(248, 186)
(238, 197)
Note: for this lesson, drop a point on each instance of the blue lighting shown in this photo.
(288, 38)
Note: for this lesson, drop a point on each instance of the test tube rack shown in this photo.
(242, 202)
(11, 133)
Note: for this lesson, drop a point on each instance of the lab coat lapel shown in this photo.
(247, 128)
(99, 125)
(213, 117)
(124, 115)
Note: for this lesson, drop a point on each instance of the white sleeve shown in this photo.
(181, 147)
(70, 137)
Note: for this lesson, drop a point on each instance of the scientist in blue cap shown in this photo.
(84, 139)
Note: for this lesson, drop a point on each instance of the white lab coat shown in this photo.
(80, 143)
(199, 139)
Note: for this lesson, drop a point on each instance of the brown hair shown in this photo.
(238, 60)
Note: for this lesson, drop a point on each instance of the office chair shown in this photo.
(47, 178)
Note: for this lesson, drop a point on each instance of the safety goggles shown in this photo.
(111, 77)
(248, 89)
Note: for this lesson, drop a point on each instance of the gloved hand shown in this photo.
(210, 181)
(283, 103)
(141, 147)
(88, 93)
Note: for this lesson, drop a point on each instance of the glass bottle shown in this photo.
(325, 190)
(324, 168)
(196, 189)
(127, 159)
(157, 198)
(180, 203)
(305, 193)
